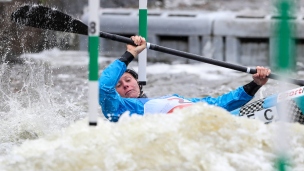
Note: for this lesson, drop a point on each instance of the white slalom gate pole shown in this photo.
(142, 27)
(94, 6)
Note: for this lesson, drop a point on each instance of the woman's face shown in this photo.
(127, 86)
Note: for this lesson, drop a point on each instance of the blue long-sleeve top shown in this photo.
(113, 105)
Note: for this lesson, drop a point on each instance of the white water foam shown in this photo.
(44, 127)
(201, 137)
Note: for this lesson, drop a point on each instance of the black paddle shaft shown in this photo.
(51, 19)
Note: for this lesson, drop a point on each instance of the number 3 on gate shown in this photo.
(92, 27)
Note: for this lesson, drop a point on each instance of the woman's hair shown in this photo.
(135, 75)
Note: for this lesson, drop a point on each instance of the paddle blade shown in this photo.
(48, 18)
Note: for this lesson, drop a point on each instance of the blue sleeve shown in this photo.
(229, 101)
(112, 104)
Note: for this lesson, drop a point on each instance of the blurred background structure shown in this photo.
(235, 31)
(40, 98)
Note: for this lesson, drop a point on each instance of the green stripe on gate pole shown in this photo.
(284, 63)
(285, 59)
(93, 61)
(142, 27)
(143, 18)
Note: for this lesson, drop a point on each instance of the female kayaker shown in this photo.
(119, 90)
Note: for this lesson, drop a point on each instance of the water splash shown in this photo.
(44, 97)
(30, 107)
(201, 137)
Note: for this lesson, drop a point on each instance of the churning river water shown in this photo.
(44, 126)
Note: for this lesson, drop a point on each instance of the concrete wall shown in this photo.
(244, 38)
